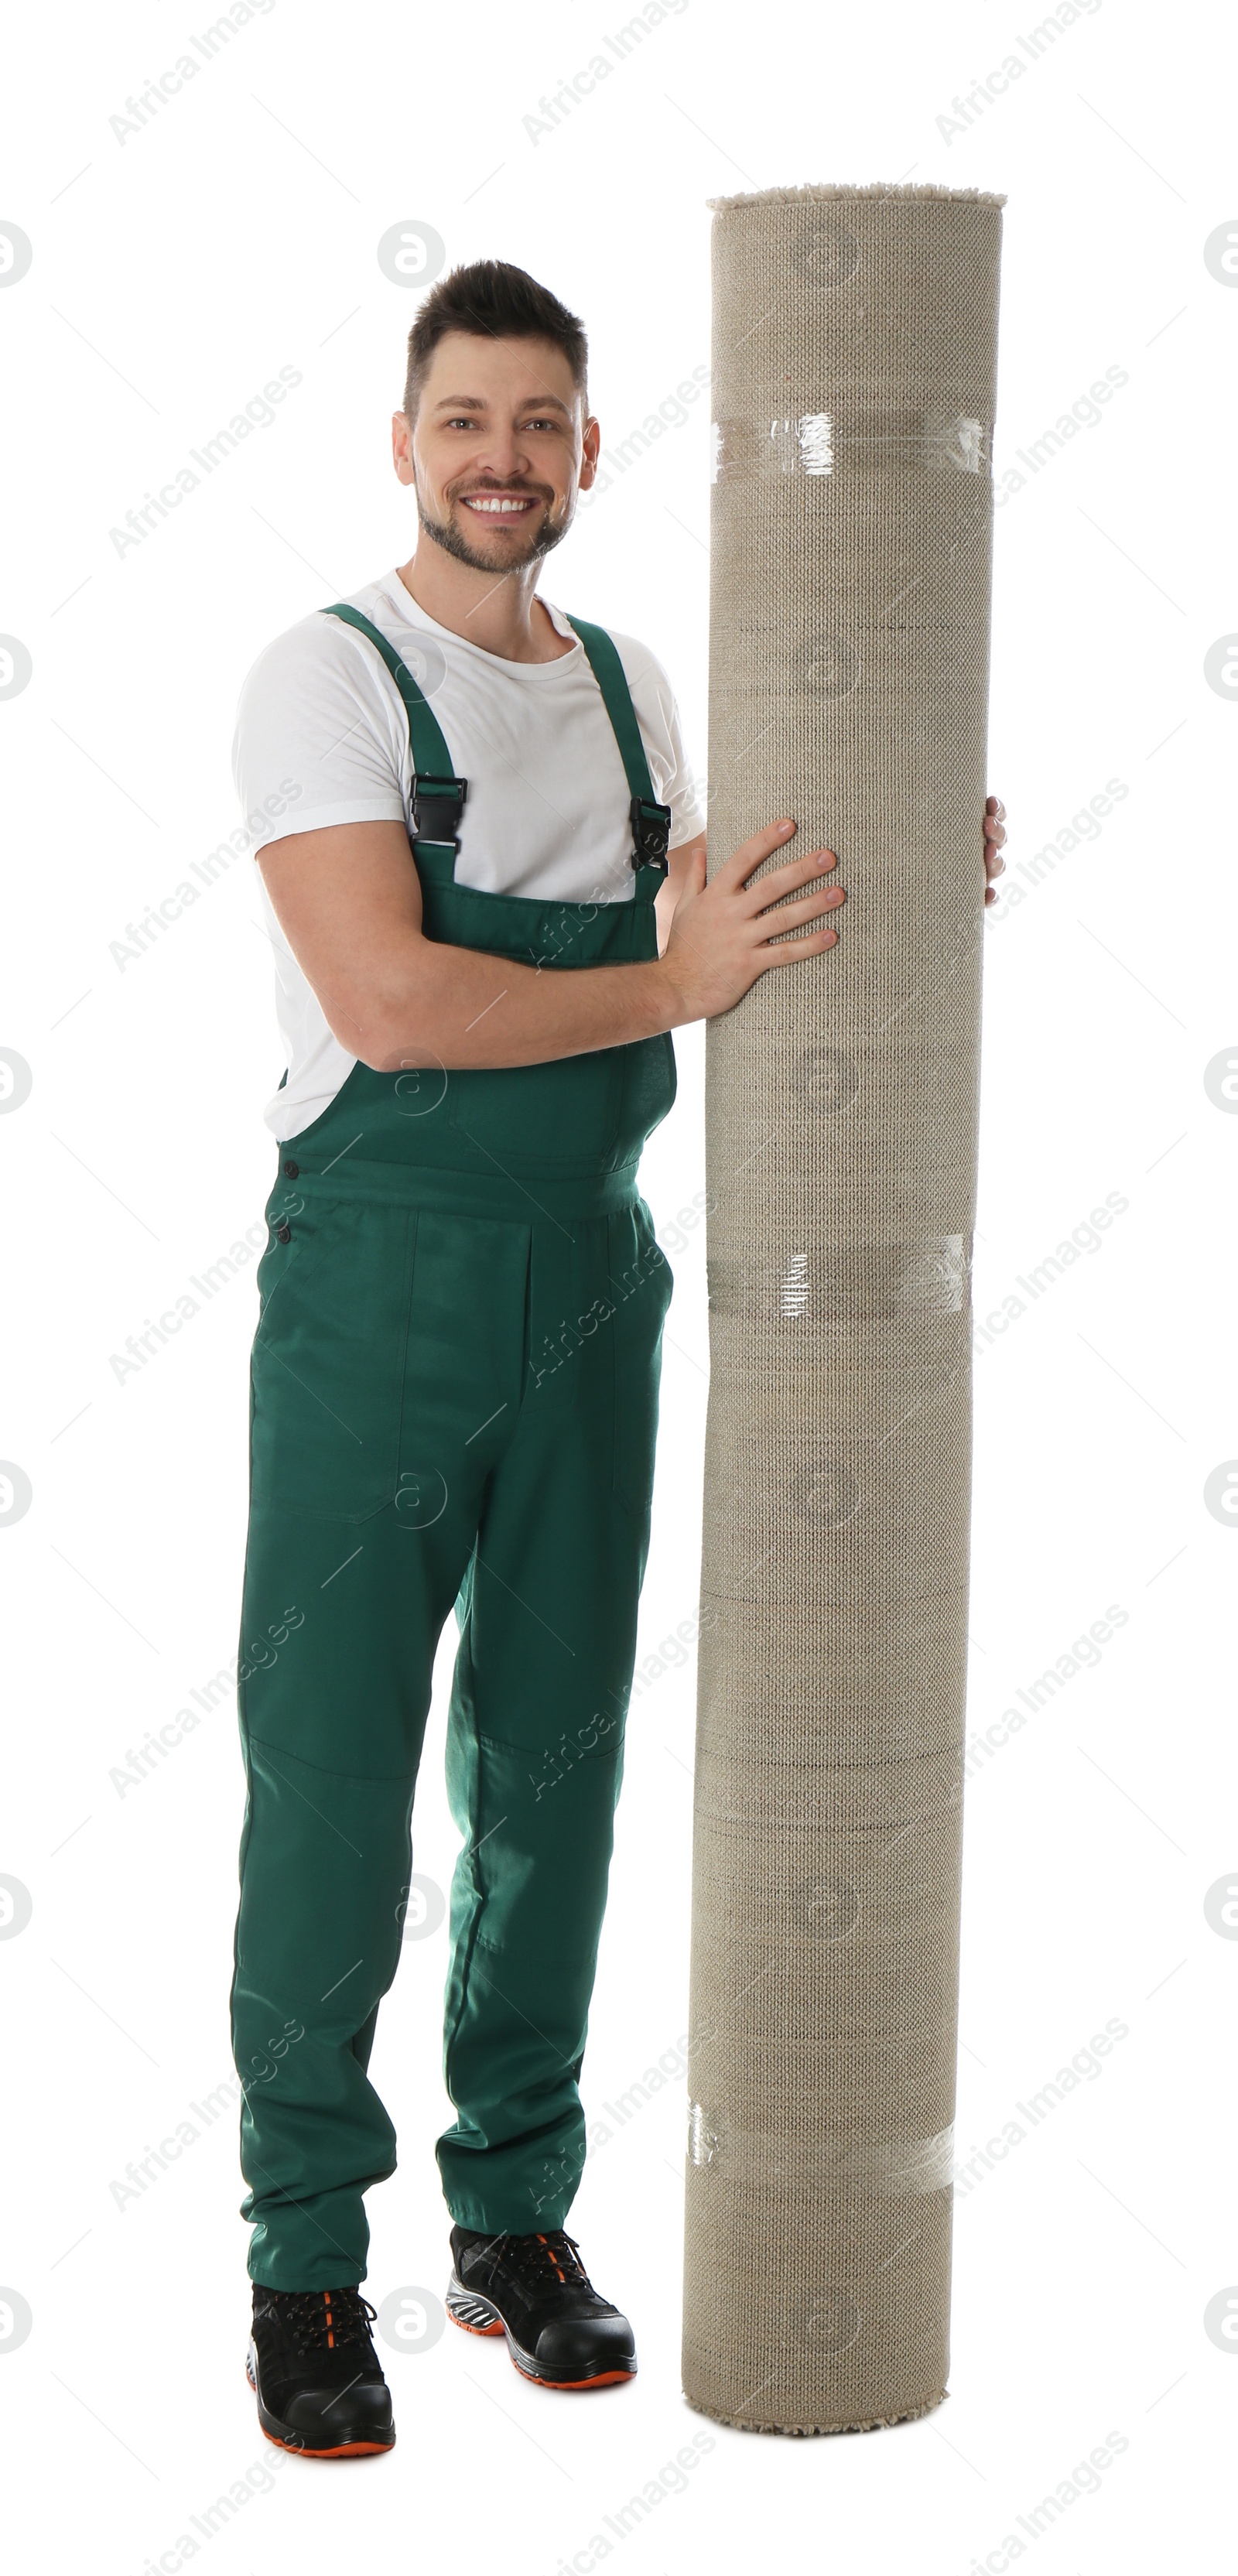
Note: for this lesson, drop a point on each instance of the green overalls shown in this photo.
(454, 1400)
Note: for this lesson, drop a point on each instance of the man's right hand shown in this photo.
(722, 933)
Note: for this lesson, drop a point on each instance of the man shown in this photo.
(455, 1373)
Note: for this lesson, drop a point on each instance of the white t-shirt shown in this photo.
(322, 739)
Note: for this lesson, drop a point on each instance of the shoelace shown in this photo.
(324, 2320)
(530, 2255)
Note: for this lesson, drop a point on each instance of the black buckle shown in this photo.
(651, 831)
(437, 804)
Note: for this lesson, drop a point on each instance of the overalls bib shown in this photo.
(454, 1399)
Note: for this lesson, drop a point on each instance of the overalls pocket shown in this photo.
(650, 1083)
(328, 1360)
(545, 1117)
(641, 1286)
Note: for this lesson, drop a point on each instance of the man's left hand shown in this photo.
(994, 835)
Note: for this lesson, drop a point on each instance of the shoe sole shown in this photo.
(475, 2315)
(286, 2439)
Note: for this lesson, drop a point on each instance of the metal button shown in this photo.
(284, 1233)
(292, 1171)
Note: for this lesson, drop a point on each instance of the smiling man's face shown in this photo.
(500, 447)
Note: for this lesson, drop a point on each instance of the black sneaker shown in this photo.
(316, 2375)
(536, 2291)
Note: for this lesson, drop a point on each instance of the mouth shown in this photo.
(505, 507)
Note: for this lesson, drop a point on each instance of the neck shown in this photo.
(500, 611)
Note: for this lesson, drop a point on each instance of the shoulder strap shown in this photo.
(438, 795)
(651, 822)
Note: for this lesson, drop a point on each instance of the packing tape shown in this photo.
(847, 440)
(846, 1283)
(885, 2168)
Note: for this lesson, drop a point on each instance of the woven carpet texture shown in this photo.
(854, 387)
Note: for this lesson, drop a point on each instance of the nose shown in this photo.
(502, 460)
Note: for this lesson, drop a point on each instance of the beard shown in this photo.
(451, 538)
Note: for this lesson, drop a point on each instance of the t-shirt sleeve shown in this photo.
(658, 717)
(318, 737)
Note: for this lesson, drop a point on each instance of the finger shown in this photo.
(811, 945)
(788, 917)
(750, 853)
(994, 805)
(797, 872)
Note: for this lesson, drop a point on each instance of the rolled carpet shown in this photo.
(854, 382)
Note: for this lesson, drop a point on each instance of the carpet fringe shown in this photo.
(826, 191)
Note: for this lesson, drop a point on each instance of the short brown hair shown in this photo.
(497, 302)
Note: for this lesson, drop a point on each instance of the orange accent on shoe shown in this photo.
(495, 2328)
(604, 2378)
(346, 2451)
(543, 2240)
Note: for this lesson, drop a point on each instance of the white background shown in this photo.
(174, 272)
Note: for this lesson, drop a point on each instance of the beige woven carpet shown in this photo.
(854, 366)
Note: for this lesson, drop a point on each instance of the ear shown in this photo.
(402, 446)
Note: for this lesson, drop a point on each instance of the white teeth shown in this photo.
(508, 509)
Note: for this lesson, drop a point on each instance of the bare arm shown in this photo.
(679, 868)
(349, 903)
